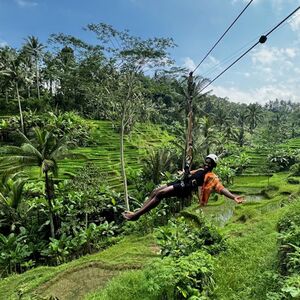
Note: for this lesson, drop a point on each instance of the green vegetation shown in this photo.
(85, 134)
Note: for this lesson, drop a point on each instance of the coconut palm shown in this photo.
(43, 151)
(14, 69)
(34, 49)
(208, 132)
(254, 115)
(240, 118)
(192, 93)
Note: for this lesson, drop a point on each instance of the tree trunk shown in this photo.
(6, 96)
(123, 171)
(37, 79)
(189, 134)
(189, 144)
(49, 196)
(20, 107)
(51, 88)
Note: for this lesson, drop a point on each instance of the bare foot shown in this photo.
(129, 216)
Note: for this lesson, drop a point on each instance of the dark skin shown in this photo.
(165, 191)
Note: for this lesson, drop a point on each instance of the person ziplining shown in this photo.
(202, 180)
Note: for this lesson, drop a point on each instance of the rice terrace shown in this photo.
(149, 150)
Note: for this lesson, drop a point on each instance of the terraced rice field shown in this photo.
(258, 158)
(106, 155)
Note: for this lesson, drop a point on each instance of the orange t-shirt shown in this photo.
(211, 182)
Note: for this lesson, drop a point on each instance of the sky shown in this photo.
(270, 71)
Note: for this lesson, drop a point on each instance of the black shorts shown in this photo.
(181, 189)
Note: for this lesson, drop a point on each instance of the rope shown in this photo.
(222, 35)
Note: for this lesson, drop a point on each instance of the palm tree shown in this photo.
(43, 151)
(254, 115)
(208, 132)
(158, 162)
(13, 68)
(241, 119)
(34, 49)
(191, 93)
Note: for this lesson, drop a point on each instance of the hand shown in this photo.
(239, 199)
(180, 172)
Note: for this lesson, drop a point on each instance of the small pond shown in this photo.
(220, 214)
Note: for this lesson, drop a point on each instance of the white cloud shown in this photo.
(26, 3)
(189, 63)
(295, 21)
(277, 5)
(264, 56)
(210, 66)
(267, 56)
(260, 95)
(291, 52)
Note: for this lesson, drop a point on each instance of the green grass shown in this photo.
(79, 275)
(251, 255)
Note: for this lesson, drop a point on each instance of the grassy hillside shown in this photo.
(106, 155)
(251, 238)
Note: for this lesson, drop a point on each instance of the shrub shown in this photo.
(293, 180)
(14, 251)
(295, 170)
(283, 158)
(181, 238)
(291, 288)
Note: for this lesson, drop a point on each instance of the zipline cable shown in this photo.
(238, 52)
(261, 40)
(217, 42)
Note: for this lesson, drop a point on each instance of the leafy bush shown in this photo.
(181, 238)
(295, 170)
(291, 288)
(289, 255)
(15, 251)
(67, 124)
(82, 242)
(283, 158)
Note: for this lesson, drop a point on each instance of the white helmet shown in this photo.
(213, 157)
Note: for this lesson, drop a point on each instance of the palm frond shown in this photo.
(30, 150)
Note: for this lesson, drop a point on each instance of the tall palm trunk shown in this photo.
(6, 95)
(49, 196)
(37, 78)
(20, 107)
(123, 171)
(189, 134)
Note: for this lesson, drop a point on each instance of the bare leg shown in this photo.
(151, 203)
(153, 193)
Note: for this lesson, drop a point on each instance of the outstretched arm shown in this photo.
(228, 194)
